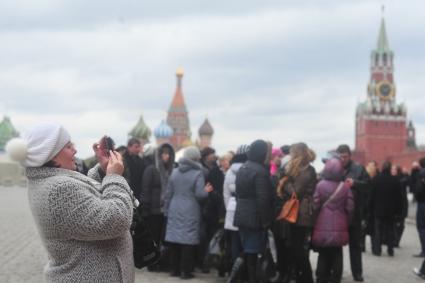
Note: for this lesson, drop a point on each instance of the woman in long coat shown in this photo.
(293, 244)
(84, 222)
(385, 204)
(185, 191)
(154, 184)
(334, 202)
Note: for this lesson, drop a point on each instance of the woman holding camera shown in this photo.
(83, 222)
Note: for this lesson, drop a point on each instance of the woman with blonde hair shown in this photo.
(293, 238)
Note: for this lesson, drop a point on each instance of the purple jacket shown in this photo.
(331, 227)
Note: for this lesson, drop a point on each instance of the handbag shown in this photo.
(289, 211)
(145, 249)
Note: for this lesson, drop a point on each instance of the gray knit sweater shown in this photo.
(84, 224)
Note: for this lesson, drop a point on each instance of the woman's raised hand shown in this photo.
(115, 163)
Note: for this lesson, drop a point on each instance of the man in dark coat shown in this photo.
(133, 166)
(254, 208)
(356, 176)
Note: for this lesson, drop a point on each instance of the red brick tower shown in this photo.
(177, 116)
(381, 123)
(383, 131)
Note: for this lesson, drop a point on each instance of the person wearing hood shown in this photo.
(83, 221)
(254, 204)
(229, 196)
(334, 205)
(154, 183)
(186, 190)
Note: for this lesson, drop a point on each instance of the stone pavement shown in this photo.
(22, 257)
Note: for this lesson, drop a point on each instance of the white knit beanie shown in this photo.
(38, 145)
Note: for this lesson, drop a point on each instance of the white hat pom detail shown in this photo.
(17, 149)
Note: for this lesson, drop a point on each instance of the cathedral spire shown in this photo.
(177, 117)
(178, 103)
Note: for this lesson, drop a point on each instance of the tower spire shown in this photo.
(383, 45)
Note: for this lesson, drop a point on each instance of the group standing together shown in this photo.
(84, 220)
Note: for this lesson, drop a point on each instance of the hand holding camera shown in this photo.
(110, 161)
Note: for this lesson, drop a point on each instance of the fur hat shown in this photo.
(192, 153)
(38, 145)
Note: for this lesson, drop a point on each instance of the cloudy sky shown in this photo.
(285, 71)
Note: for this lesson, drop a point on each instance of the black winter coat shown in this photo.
(418, 186)
(386, 198)
(254, 191)
(213, 209)
(133, 173)
(254, 196)
(359, 189)
(153, 189)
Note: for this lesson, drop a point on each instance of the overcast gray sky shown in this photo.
(277, 70)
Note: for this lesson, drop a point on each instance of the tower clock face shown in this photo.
(385, 90)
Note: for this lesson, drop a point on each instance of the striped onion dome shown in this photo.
(141, 130)
(163, 130)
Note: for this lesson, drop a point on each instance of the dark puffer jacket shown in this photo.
(331, 227)
(154, 182)
(254, 192)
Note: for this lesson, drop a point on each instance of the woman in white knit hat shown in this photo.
(83, 222)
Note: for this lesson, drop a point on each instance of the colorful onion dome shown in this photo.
(141, 130)
(163, 130)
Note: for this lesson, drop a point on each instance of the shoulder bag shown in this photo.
(145, 251)
(289, 211)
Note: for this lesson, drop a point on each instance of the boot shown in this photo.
(237, 266)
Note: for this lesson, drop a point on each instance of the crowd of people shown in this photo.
(264, 207)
